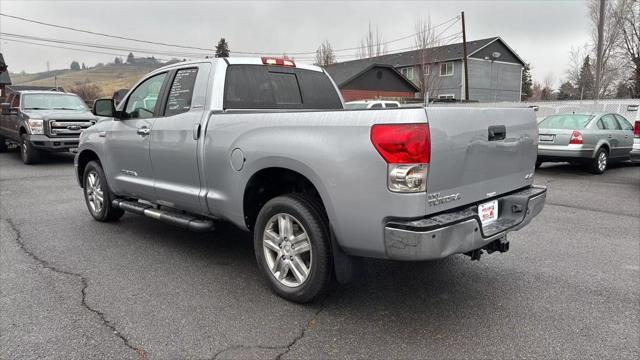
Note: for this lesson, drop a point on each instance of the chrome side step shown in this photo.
(186, 221)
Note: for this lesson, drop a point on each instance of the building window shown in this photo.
(426, 69)
(446, 69)
(407, 72)
(446, 96)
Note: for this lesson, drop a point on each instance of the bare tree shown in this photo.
(371, 44)
(325, 55)
(87, 92)
(426, 42)
(627, 16)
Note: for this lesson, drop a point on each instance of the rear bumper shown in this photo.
(45, 143)
(460, 231)
(564, 152)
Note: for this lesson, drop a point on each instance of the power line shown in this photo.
(70, 48)
(102, 34)
(105, 47)
(454, 19)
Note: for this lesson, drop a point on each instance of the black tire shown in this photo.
(3, 144)
(106, 212)
(307, 211)
(28, 153)
(595, 165)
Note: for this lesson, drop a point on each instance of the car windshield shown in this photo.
(52, 102)
(569, 122)
(355, 106)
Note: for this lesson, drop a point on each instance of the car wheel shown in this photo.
(28, 153)
(600, 162)
(292, 247)
(97, 195)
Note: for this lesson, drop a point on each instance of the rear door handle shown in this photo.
(497, 132)
(144, 131)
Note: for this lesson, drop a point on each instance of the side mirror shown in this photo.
(104, 107)
(6, 108)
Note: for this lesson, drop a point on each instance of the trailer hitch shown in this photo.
(500, 245)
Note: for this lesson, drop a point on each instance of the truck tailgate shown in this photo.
(478, 154)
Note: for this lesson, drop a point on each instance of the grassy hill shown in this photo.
(108, 78)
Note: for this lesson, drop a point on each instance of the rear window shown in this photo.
(569, 122)
(276, 87)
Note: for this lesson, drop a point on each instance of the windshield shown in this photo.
(52, 102)
(356, 106)
(569, 122)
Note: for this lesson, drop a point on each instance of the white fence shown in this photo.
(625, 107)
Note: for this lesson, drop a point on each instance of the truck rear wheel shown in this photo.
(28, 153)
(292, 247)
(97, 195)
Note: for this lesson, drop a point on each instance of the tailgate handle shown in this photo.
(497, 132)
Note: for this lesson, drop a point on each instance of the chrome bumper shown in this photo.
(461, 231)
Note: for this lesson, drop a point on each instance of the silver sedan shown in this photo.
(591, 139)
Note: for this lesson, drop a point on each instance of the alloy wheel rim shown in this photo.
(602, 161)
(287, 250)
(94, 193)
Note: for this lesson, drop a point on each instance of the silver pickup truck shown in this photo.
(266, 145)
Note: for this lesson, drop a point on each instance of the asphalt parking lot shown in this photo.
(73, 288)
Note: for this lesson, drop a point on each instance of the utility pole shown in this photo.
(466, 65)
(599, 48)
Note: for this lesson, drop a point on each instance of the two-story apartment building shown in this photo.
(495, 70)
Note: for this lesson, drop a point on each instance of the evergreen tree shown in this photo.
(117, 60)
(567, 91)
(84, 67)
(527, 83)
(130, 59)
(75, 65)
(586, 82)
(222, 49)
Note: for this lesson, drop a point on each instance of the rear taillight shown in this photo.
(636, 129)
(576, 137)
(407, 150)
(278, 61)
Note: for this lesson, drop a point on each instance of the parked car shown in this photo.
(591, 139)
(43, 121)
(371, 104)
(266, 145)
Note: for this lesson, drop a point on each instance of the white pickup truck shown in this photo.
(266, 145)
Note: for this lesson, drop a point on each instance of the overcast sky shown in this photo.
(541, 32)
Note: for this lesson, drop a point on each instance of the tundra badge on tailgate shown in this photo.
(436, 199)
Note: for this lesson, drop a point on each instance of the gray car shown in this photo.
(591, 139)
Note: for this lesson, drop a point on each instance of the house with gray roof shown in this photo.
(495, 70)
(359, 80)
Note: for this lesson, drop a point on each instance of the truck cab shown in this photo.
(43, 121)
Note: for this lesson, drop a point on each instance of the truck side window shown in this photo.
(376, 106)
(142, 102)
(181, 92)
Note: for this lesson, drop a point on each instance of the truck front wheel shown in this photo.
(97, 194)
(292, 247)
(28, 153)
